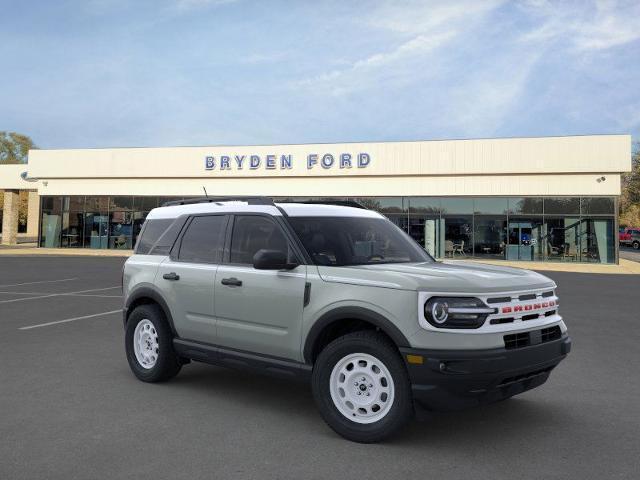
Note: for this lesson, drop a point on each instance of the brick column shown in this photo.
(10, 217)
(33, 214)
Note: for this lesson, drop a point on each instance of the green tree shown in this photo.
(630, 198)
(14, 147)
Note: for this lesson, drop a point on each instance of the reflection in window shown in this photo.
(490, 237)
(120, 230)
(458, 236)
(525, 206)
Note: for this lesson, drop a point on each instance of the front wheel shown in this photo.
(149, 345)
(636, 245)
(361, 387)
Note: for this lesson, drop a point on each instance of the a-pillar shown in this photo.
(33, 214)
(10, 217)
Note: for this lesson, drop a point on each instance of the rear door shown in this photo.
(259, 310)
(187, 277)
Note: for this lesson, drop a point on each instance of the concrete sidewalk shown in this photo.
(89, 252)
(626, 267)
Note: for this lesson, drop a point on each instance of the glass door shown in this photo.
(524, 240)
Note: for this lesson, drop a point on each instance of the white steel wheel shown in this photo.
(145, 344)
(361, 388)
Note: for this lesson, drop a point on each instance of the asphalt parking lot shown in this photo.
(70, 408)
(630, 253)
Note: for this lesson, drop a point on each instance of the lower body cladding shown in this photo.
(446, 380)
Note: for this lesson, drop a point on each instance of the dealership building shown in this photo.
(534, 199)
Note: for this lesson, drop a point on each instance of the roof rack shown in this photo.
(339, 203)
(251, 200)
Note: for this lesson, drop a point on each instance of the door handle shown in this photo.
(171, 276)
(231, 282)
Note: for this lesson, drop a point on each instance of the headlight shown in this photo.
(456, 312)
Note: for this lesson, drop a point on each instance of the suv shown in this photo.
(338, 296)
(629, 237)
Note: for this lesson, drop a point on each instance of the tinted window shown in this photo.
(252, 233)
(204, 239)
(168, 238)
(598, 206)
(343, 241)
(150, 234)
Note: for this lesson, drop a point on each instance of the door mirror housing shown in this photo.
(272, 260)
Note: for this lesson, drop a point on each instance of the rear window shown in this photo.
(151, 232)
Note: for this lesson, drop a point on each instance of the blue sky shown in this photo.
(103, 73)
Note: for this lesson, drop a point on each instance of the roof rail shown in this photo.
(339, 203)
(251, 200)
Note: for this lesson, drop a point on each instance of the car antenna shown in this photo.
(205, 191)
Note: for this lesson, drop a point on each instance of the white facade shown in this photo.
(513, 166)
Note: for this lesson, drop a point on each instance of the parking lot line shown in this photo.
(57, 294)
(40, 281)
(62, 294)
(66, 320)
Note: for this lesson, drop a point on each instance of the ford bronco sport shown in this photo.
(338, 296)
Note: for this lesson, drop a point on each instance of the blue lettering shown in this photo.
(312, 159)
(271, 162)
(240, 161)
(209, 163)
(345, 160)
(224, 163)
(363, 160)
(254, 162)
(327, 160)
(285, 162)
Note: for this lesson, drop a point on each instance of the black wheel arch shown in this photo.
(146, 294)
(330, 320)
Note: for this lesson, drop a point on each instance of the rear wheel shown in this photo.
(361, 387)
(149, 345)
(636, 245)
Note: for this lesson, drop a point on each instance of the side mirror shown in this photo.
(272, 260)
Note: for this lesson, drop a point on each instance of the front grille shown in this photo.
(551, 333)
(499, 300)
(524, 376)
(524, 339)
(528, 296)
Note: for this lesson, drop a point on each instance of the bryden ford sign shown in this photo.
(286, 162)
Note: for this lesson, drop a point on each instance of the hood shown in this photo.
(439, 277)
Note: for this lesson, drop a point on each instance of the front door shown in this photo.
(259, 310)
(187, 279)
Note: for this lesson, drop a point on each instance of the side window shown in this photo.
(152, 231)
(203, 240)
(252, 233)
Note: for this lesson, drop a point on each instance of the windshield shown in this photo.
(342, 241)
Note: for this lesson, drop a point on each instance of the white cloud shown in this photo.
(264, 57)
(197, 4)
(601, 26)
(420, 29)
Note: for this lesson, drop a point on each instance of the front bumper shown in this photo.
(451, 380)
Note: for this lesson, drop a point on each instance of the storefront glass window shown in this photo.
(72, 222)
(562, 206)
(458, 236)
(490, 237)
(51, 224)
(120, 230)
(525, 206)
(597, 206)
(525, 238)
(452, 206)
(490, 206)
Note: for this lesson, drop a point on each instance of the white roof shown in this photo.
(291, 209)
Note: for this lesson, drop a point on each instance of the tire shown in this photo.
(156, 361)
(636, 245)
(373, 357)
